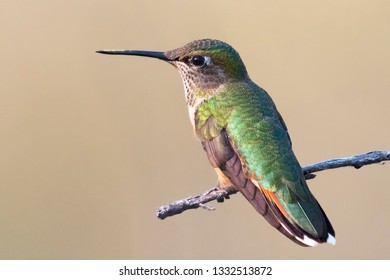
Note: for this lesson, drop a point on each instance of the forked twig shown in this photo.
(218, 194)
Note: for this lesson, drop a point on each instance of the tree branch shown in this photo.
(218, 194)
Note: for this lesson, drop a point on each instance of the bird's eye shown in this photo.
(198, 61)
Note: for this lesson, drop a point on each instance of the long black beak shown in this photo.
(159, 55)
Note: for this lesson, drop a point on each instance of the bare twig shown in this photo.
(218, 194)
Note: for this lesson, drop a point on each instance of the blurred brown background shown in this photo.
(92, 145)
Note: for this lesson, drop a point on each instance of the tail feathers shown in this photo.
(331, 239)
(270, 210)
(320, 228)
(276, 217)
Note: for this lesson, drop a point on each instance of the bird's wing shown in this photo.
(228, 160)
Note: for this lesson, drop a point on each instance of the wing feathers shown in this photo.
(223, 157)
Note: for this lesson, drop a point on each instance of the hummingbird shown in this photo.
(245, 138)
